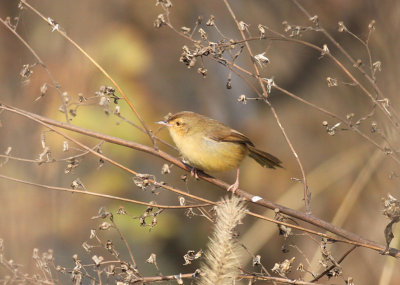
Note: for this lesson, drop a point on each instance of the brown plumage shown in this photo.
(210, 145)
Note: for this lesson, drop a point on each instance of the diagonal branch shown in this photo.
(350, 237)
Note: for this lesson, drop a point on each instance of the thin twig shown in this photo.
(333, 266)
(63, 189)
(307, 193)
(42, 64)
(102, 70)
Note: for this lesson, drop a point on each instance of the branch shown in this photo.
(350, 237)
(63, 189)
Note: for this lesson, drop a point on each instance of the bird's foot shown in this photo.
(234, 187)
(193, 173)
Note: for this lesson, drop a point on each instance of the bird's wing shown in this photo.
(229, 135)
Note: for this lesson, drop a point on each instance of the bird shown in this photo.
(212, 146)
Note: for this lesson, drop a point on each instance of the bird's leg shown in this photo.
(235, 186)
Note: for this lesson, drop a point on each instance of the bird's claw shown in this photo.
(234, 187)
(193, 173)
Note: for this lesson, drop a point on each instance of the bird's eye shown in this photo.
(178, 123)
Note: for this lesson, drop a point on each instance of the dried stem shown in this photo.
(42, 64)
(116, 198)
(350, 237)
(307, 193)
(63, 34)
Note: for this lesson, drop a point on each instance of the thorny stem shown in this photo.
(63, 34)
(350, 237)
(307, 193)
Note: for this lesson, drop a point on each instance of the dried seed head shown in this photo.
(270, 82)
(242, 98)
(315, 20)
(286, 26)
(160, 21)
(371, 25)
(261, 59)
(229, 84)
(325, 50)
(26, 71)
(257, 260)
(104, 226)
(203, 34)
(358, 63)
(211, 21)
(152, 259)
(192, 255)
(165, 169)
(342, 27)
(182, 201)
(332, 81)
(121, 211)
(97, 260)
(202, 71)
(199, 20)
(243, 26)
(185, 30)
(164, 3)
(261, 29)
(391, 207)
(284, 267)
(377, 66)
(184, 177)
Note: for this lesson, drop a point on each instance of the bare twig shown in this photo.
(307, 193)
(333, 266)
(42, 64)
(63, 34)
(63, 189)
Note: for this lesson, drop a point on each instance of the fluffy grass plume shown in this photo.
(221, 264)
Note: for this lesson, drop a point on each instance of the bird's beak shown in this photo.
(164, 123)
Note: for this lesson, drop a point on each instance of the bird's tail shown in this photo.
(264, 158)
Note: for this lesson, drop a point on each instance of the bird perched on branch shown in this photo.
(210, 145)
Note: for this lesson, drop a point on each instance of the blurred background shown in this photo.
(121, 37)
